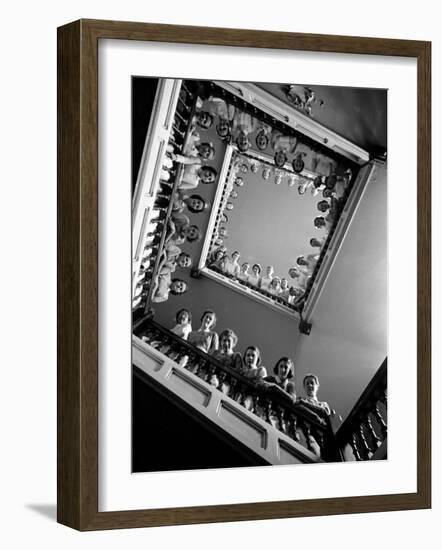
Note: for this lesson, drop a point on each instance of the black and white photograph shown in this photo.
(259, 274)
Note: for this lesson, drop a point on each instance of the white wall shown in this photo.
(348, 341)
(28, 382)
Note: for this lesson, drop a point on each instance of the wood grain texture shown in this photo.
(68, 276)
(77, 223)
(424, 273)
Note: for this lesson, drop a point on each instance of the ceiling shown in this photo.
(263, 229)
(358, 114)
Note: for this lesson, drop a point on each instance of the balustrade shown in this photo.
(154, 241)
(282, 413)
(365, 428)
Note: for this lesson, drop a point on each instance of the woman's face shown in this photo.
(223, 128)
(251, 358)
(227, 344)
(280, 158)
(196, 204)
(204, 119)
(219, 256)
(178, 286)
(242, 142)
(183, 318)
(269, 271)
(261, 141)
(192, 232)
(245, 267)
(235, 256)
(275, 283)
(330, 181)
(239, 181)
(284, 284)
(294, 273)
(255, 269)
(205, 150)
(311, 387)
(298, 165)
(185, 261)
(207, 176)
(208, 321)
(295, 292)
(283, 369)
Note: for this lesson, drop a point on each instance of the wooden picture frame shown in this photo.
(78, 274)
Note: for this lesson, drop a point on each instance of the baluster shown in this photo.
(250, 399)
(155, 334)
(245, 395)
(259, 406)
(306, 429)
(140, 297)
(293, 425)
(240, 394)
(375, 441)
(177, 114)
(281, 420)
(232, 387)
(380, 421)
(183, 103)
(147, 336)
(178, 352)
(254, 403)
(165, 347)
(355, 448)
(177, 130)
(193, 363)
(212, 377)
(153, 338)
(175, 352)
(186, 89)
(365, 447)
(160, 342)
(270, 416)
(267, 410)
(148, 255)
(319, 438)
(362, 449)
(183, 359)
(174, 143)
(202, 368)
(222, 386)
